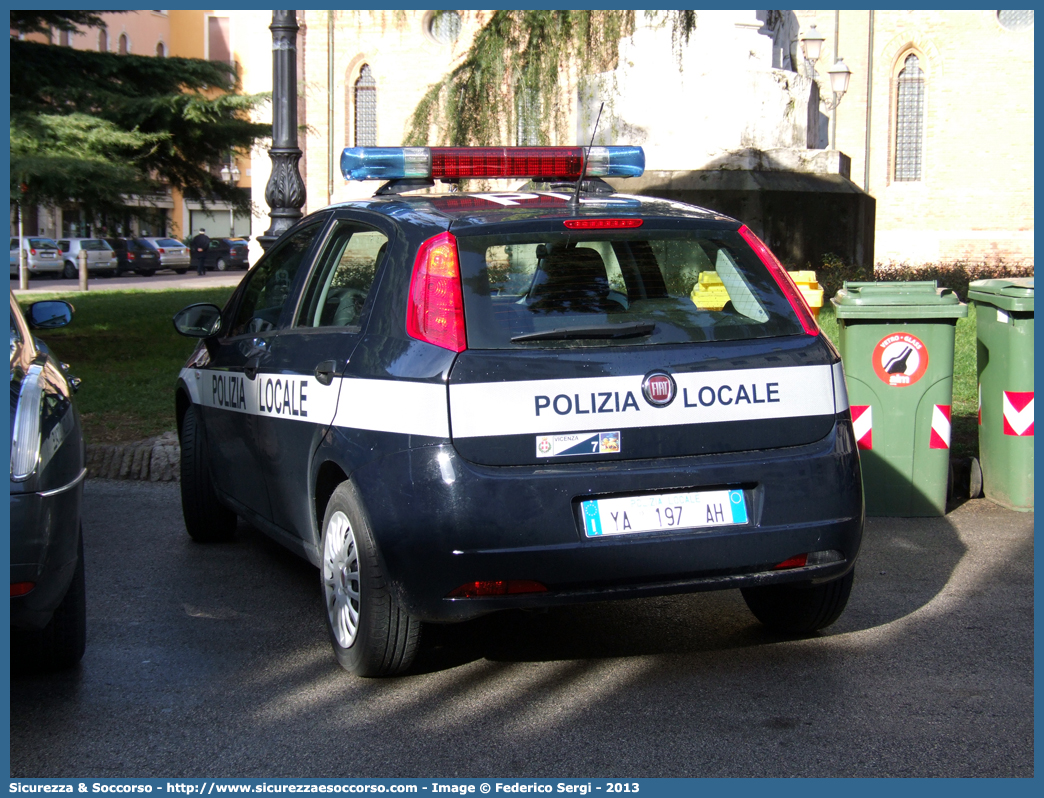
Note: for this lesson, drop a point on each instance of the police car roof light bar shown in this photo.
(783, 280)
(435, 310)
(455, 163)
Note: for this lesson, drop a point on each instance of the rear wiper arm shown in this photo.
(635, 330)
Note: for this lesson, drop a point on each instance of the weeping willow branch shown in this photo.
(520, 64)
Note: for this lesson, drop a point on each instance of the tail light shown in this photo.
(21, 588)
(435, 310)
(162, 251)
(499, 587)
(32, 251)
(130, 256)
(794, 562)
(783, 280)
(59, 253)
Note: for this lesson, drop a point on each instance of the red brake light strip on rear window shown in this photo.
(435, 310)
(601, 224)
(783, 280)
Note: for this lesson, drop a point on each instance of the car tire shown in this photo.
(799, 609)
(207, 520)
(70, 271)
(370, 633)
(60, 644)
(221, 265)
(180, 271)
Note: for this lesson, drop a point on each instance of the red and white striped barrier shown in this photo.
(1018, 413)
(940, 435)
(862, 424)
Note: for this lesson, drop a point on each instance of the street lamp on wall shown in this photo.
(811, 48)
(230, 175)
(840, 75)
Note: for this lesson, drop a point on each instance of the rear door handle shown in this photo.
(327, 370)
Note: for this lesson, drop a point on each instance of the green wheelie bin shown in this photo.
(1004, 328)
(896, 341)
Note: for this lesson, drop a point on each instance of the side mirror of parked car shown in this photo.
(50, 315)
(198, 321)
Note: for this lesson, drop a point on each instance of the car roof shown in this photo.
(487, 208)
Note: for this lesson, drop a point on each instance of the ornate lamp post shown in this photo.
(285, 192)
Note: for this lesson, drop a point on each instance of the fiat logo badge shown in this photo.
(659, 389)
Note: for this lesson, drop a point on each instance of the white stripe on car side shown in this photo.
(840, 388)
(410, 408)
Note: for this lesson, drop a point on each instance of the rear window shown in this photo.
(93, 244)
(168, 242)
(628, 288)
(42, 243)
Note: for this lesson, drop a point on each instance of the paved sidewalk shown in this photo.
(152, 460)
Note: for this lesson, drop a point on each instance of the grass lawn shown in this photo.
(123, 345)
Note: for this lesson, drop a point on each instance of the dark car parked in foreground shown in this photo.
(135, 255)
(465, 402)
(48, 603)
(227, 253)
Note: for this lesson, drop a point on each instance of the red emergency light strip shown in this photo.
(602, 224)
(784, 281)
(459, 162)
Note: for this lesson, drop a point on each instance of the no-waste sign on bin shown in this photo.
(1004, 328)
(896, 341)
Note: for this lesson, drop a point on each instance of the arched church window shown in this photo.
(365, 109)
(909, 121)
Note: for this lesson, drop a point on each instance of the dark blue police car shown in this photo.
(464, 402)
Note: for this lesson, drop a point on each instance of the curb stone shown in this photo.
(151, 460)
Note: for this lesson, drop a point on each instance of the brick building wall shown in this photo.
(974, 200)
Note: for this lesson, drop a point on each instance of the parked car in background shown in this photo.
(135, 255)
(227, 253)
(100, 256)
(173, 254)
(42, 255)
(48, 602)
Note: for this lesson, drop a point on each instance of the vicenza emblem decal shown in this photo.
(659, 389)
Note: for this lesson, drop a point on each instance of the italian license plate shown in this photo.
(663, 512)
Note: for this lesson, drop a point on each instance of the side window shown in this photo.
(268, 287)
(337, 292)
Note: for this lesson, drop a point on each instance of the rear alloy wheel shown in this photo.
(371, 635)
(221, 264)
(207, 520)
(70, 272)
(799, 609)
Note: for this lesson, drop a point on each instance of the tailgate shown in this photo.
(534, 408)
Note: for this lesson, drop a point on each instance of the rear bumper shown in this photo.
(446, 522)
(45, 531)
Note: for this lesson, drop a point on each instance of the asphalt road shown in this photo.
(212, 661)
(160, 280)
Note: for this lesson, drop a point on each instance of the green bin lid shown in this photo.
(1008, 294)
(920, 299)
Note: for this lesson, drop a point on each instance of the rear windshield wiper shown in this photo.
(635, 330)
